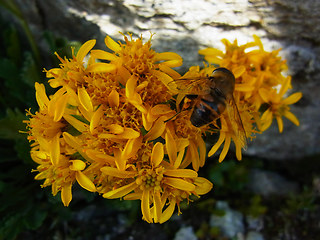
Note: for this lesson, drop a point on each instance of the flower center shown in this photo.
(150, 178)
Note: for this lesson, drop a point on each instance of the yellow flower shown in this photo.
(116, 117)
(257, 75)
(59, 170)
(157, 182)
(47, 122)
(73, 72)
(278, 106)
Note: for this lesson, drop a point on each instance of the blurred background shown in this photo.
(273, 193)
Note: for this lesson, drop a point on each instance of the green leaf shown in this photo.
(12, 124)
(8, 70)
(22, 147)
(15, 91)
(30, 72)
(12, 42)
(35, 218)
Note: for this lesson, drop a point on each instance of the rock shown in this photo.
(185, 233)
(267, 183)
(230, 224)
(254, 236)
(254, 223)
(186, 26)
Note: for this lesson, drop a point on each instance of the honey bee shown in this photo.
(210, 97)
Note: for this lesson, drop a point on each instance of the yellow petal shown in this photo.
(145, 206)
(77, 124)
(66, 194)
(195, 156)
(178, 161)
(100, 157)
(111, 44)
(131, 86)
(101, 67)
(60, 107)
(168, 70)
(225, 148)
(238, 71)
(171, 147)
(171, 59)
(163, 77)
(293, 98)
(115, 129)
(157, 130)
(72, 141)
(100, 54)
(132, 146)
(110, 171)
(113, 98)
(166, 215)
(291, 117)
(187, 160)
(157, 154)
(85, 182)
(40, 176)
(258, 41)
(85, 99)
(242, 87)
(264, 94)
(96, 117)
(280, 124)
(120, 158)
(77, 165)
(120, 192)
(285, 86)
(160, 109)
(55, 150)
(183, 173)
(146, 124)
(238, 148)
(133, 196)
(210, 51)
(203, 186)
(179, 184)
(157, 206)
(218, 144)
(202, 151)
(41, 96)
(129, 133)
(84, 49)
(266, 120)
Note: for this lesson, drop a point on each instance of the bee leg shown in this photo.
(216, 124)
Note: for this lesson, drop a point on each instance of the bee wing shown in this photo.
(193, 86)
(238, 128)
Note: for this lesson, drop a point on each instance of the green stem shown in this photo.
(13, 8)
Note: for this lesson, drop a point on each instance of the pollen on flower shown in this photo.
(41, 124)
(150, 179)
(137, 57)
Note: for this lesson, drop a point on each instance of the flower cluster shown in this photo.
(259, 93)
(110, 128)
(115, 126)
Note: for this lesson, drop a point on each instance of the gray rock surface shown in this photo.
(231, 223)
(186, 26)
(268, 183)
(185, 233)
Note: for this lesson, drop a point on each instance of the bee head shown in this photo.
(224, 80)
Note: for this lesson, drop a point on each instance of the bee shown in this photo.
(210, 97)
